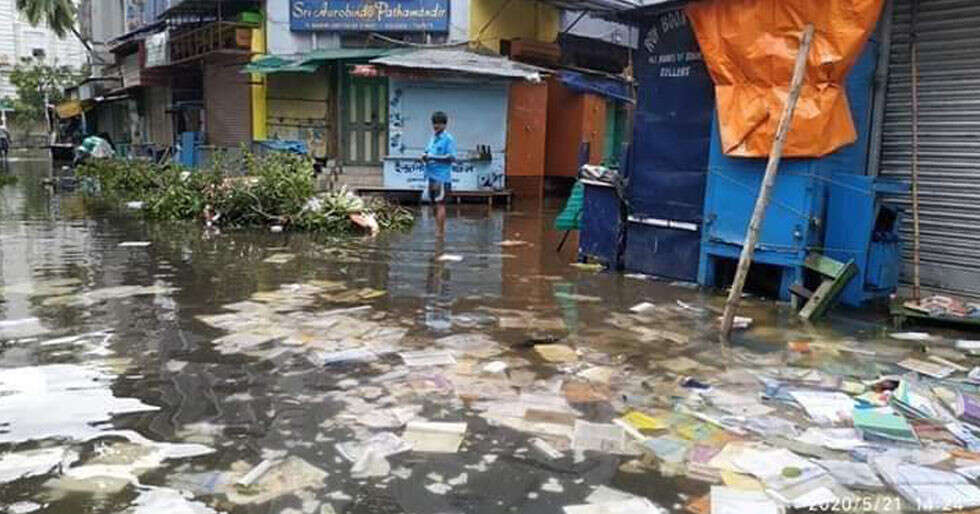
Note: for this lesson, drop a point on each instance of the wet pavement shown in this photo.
(153, 368)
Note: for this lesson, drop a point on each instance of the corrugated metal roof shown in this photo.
(596, 5)
(463, 61)
(641, 10)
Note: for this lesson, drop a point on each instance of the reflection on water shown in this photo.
(102, 336)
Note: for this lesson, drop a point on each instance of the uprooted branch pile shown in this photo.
(276, 189)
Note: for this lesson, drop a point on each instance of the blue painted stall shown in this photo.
(601, 225)
(863, 229)
(671, 139)
(811, 203)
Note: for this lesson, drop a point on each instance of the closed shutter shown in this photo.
(227, 103)
(949, 139)
(159, 120)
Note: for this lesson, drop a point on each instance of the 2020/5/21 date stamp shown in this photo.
(869, 503)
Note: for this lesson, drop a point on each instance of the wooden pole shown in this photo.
(762, 201)
(914, 50)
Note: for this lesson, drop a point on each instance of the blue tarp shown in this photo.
(604, 86)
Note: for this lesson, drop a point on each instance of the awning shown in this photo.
(72, 108)
(6, 104)
(135, 35)
(463, 61)
(308, 62)
(277, 64)
(596, 84)
(318, 57)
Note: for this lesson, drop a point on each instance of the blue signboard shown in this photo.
(671, 141)
(370, 16)
(672, 129)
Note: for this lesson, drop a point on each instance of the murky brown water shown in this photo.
(64, 265)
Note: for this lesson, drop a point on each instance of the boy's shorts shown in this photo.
(436, 191)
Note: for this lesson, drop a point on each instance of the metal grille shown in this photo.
(158, 119)
(949, 139)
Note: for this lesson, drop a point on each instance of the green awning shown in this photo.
(6, 104)
(277, 64)
(318, 57)
(310, 61)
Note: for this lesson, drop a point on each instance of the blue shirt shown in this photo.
(440, 145)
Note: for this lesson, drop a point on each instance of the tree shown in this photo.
(36, 83)
(59, 15)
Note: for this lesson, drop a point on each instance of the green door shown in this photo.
(615, 130)
(364, 131)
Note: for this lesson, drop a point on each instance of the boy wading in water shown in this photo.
(438, 160)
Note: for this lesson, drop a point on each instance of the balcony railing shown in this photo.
(222, 36)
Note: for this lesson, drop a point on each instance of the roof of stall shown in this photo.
(309, 62)
(642, 10)
(462, 61)
(597, 5)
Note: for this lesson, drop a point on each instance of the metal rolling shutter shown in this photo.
(159, 123)
(227, 103)
(949, 139)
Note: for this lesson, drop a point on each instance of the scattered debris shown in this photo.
(17, 465)
(556, 352)
(283, 477)
(279, 258)
(434, 437)
(594, 267)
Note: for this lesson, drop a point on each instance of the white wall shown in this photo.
(18, 39)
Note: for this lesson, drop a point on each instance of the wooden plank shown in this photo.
(825, 295)
(800, 291)
(825, 265)
(758, 213)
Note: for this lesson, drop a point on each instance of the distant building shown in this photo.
(18, 39)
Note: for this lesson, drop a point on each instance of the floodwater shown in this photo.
(149, 361)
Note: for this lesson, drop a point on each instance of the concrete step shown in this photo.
(353, 182)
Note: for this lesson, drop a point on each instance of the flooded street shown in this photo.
(461, 367)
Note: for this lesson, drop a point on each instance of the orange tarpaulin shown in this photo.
(750, 46)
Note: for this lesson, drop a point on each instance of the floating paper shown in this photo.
(556, 352)
(927, 368)
(428, 358)
(634, 506)
(825, 407)
(434, 437)
(641, 421)
(727, 500)
(599, 437)
(910, 336)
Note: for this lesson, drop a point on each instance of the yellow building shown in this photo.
(493, 20)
